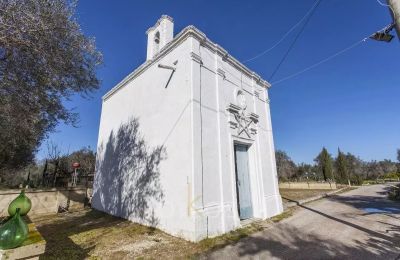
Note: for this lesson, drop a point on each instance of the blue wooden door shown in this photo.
(243, 182)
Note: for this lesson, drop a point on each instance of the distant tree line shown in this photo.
(343, 168)
(55, 170)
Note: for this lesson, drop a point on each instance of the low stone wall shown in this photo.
(308, 185)
(46, 201)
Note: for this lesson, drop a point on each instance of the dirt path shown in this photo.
(360, 224)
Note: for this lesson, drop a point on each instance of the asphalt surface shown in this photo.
(359, 224)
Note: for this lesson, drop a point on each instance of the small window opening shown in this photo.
(156, 42)
(157, 38)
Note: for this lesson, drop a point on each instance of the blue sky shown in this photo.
(351, 102)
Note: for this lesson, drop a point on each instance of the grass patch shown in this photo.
(346, 190)
(282, 216)
(373, 182)
(229, 238)
(94, 235)
(240, 233)
(301, 194)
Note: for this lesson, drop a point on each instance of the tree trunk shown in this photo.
(55, 173)
(44, 173)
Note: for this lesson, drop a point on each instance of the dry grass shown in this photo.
(296, 195)
(91, 234)
(95, 235)
(229, 238)
(287, 213)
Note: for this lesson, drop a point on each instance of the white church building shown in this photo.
(185, 140)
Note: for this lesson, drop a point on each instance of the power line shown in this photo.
(284, 36)
(295, 40)
(324, 60)
(320, 62)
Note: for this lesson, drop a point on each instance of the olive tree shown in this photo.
(44, 59)
(286, 168)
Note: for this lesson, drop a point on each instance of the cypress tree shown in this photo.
(342, 175)
(324, 161)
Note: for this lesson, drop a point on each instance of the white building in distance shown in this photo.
(185, 141)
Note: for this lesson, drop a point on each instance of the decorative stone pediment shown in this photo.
(244, 123)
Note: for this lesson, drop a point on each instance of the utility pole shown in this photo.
(395, 12)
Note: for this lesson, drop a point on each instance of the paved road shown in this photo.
(360, 224)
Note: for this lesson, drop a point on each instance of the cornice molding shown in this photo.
(197, 58)
(189, 31)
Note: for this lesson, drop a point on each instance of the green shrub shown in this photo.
(394, 193)
(356, 180)
(391, 175)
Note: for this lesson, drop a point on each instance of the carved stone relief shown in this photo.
(240, 119)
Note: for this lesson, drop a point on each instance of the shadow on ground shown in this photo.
(288, 242)
(298, 245)
(378, 204)
(91, 234)
(59, 231)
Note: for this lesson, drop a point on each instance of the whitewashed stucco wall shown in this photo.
(165, 119)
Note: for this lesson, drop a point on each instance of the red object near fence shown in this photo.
(76, 165)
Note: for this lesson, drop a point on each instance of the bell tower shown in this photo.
(159, 35)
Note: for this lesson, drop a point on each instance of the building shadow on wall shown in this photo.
(127, 181)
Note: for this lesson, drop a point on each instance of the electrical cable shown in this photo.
(318, 63)
(323, 61)
(294, 41)
(284, 36)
